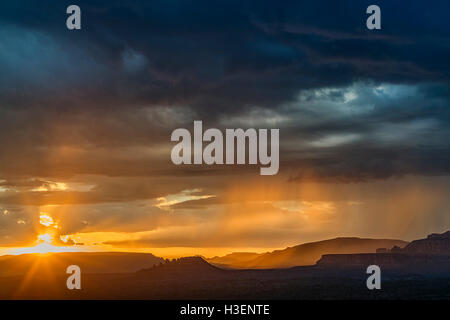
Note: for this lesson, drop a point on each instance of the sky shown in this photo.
(86, 117)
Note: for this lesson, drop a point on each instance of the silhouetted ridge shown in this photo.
(183, 267)
(429, 255)
(235, 259)
(305, 254)
(434, 244)
(445, 235)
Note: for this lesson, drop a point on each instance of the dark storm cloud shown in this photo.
(219, 56)
(381, 132)
(103, 100)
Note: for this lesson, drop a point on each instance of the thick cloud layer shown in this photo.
(137, 71)
(86, 116)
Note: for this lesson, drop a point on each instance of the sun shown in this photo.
(44, 244)
(43, 248)
(49, 240)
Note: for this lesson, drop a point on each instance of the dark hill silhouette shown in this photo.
(89, 262)
(433, 244)
(426, 256)
(182, 268)
(235, 259)
(305, 254)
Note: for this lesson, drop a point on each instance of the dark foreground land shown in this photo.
(420, 270)
(193, 278)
